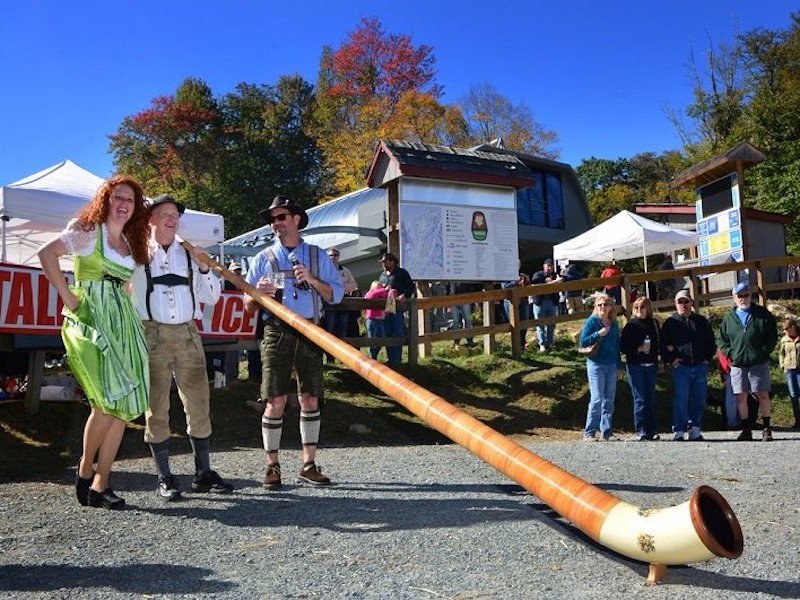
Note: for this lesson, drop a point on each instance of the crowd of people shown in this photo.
(686, 344)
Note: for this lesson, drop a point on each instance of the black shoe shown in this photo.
(168, 489)
(745, 436)
(105, 499)
(82, 488)
(210, 481)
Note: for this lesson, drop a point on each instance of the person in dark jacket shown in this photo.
(639, 344)
(398, 279)
(545, 305)
(574, 297)
(748, 336)
(687, 344)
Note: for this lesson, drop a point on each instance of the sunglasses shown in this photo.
(684, 301)
(279, 217)
(745, 295)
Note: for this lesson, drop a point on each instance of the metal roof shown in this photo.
(415, 159)
(334, 223)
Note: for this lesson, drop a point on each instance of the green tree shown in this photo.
(772, 60)
(268, 149)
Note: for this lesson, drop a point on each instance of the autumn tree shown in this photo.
(489, 116)
(173, 146)
(227, 155)
(367, 89)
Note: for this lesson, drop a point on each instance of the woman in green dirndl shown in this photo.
(102, 332)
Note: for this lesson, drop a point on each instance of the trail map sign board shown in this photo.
(458, 232)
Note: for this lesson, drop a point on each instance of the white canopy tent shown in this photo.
(625, 235)
(38, 206)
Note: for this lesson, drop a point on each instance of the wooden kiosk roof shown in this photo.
(736, 159)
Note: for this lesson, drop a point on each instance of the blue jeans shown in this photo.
(375, 329)
(793, 381)
(642, 379)
(394, 326)
(462, 314)
(544, 333)
(731, 408)
(691, 386)
(602, 389)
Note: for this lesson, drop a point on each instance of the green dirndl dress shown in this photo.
(105, 339)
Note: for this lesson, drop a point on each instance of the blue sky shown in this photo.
(601, 74)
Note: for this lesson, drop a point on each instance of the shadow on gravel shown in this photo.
(134, 579)
(384, 507)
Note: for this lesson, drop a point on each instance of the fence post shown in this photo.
(413, 332)
(761, 282)
(513, 320)
(489, 342)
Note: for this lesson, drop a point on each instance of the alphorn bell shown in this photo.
(697, 530)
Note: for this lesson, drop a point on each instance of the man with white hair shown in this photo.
(748, 336)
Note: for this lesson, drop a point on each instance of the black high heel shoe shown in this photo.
(82, 488)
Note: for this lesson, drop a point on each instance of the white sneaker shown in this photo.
(542, 348)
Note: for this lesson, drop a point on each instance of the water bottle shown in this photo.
(646, 344)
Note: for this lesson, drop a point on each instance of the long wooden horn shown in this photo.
(697, 530)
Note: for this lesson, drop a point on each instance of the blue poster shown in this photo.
(702, 228)
(713, 225)
(703, 248)
(733, 219)
(736, 238)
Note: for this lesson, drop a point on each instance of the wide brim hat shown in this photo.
(288, 204)
(165, 199)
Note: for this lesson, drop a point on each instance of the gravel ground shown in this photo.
(401, 522)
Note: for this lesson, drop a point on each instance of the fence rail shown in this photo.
(420, 311)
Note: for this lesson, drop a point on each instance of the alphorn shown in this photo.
(697, 530)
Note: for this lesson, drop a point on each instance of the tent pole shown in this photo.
(647, 282)
(3, 227)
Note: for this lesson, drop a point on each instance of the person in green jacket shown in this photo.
(748, 336)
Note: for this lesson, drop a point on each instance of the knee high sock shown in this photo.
(271, 431)
(200, 449)
(160, 452)
(309, 427)
(766, 421)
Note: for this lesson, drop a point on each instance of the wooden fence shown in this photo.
(420, 335)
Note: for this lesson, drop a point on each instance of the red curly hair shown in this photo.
(136, 230)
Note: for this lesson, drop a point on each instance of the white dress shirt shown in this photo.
(173, 304)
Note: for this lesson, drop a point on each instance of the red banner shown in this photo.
(29, 304)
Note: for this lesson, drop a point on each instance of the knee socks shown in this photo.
(200, 449)
(160, 452)
(309, 427)
(271, 430)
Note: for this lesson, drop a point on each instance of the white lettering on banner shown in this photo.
(30, 305)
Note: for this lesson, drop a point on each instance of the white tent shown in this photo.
(36, 207)
(625, 235)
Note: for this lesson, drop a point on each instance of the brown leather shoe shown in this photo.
(766, 435)
(312, 474)
(272, 479)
